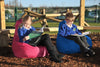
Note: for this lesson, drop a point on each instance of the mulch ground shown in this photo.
(7, 59)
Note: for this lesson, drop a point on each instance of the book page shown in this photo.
(41, 30)
(83, 34)
(76, 35)
(86, 33)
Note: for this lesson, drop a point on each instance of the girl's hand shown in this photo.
(26, 38)
(75, 34)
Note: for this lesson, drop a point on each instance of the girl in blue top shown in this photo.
(25, 29)
(70, 31)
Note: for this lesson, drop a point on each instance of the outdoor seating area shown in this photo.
(18, 54)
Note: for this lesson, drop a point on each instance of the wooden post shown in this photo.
(82, 12)
(2, 15)
(45, 21)
(24, 15)
(41, 15)
(29, 9)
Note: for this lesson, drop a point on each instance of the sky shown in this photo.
(54, 3)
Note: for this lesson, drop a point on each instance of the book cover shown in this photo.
(34, 34)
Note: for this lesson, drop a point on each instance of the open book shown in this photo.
(83, 34)
(35, 34)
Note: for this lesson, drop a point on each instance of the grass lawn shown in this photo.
(54, 24)
(10, 24)
(51, 24)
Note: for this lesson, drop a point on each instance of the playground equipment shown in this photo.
(2, 15)
(43, 18)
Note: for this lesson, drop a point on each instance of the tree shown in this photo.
(19, 12)
(15, 3)
(20, 4)
(30, 6)
(7, 12)
(86, 13)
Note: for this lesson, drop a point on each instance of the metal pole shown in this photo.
(96, 13)
(15, 10)
(15, 14)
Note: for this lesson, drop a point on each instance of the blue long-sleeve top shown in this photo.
(22, 32)
(66, 31)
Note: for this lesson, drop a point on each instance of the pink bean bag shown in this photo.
(24, 50)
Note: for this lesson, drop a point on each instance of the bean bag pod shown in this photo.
(24, 50)
(67, 46)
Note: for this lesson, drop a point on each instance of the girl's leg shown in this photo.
(34, 41)
(83, 45)
(84, 39)
(46, 41)
(78, 40)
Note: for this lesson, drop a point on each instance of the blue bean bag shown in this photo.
(67, 46)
